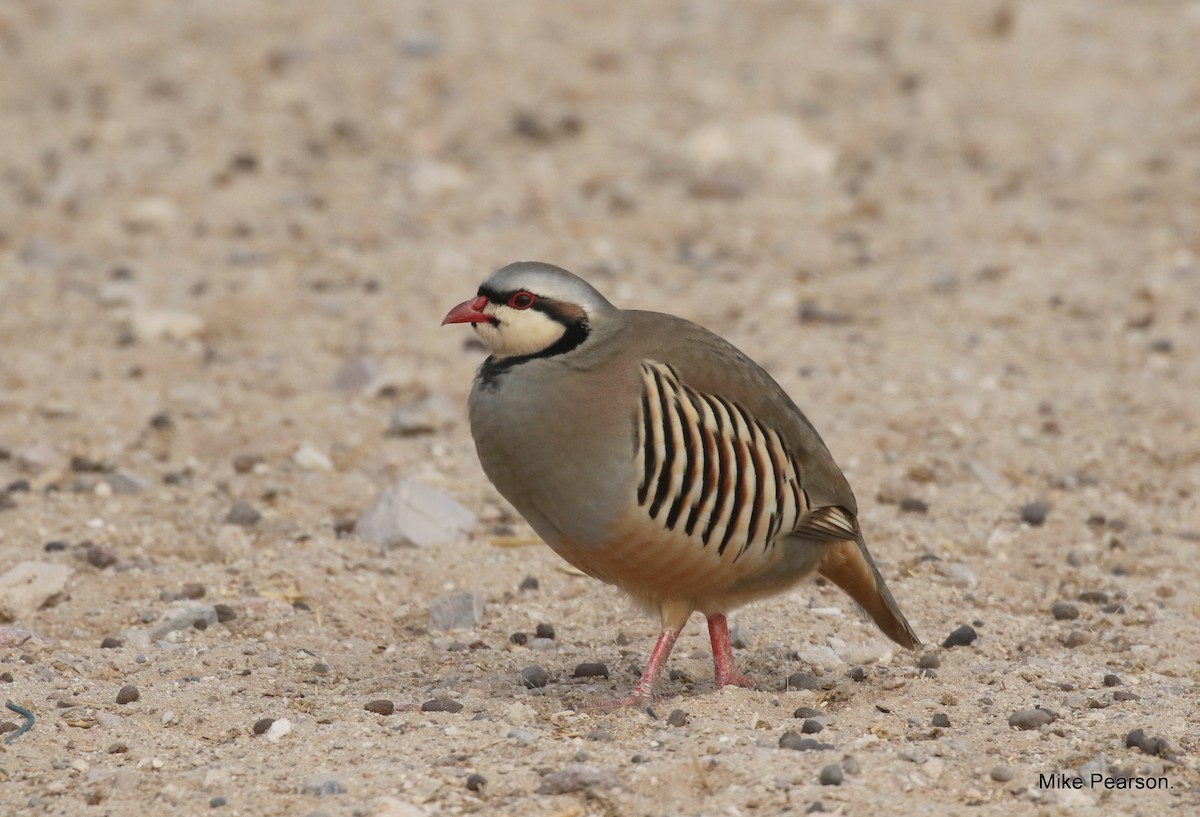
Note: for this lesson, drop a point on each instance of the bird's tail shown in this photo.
(849, 565)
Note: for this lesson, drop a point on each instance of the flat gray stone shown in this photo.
(578, 777)
(456, 611)
(412, 513)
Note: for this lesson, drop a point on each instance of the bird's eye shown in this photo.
(522, 300)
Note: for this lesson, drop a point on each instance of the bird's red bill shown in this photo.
(468, 312)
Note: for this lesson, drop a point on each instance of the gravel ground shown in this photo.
(962, 235)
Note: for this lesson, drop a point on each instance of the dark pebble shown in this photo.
(1115, 607)
(599, 735)
(802, 680)
(591, 670)
(6, 677)
(225, 613)
(1026, 719)
(18, 486)
(910, 504)
(806, 712)
(161, 420)
(545, 631)
(320, 668)
(56, 545)
(1126, 695)
(381, 706)
(797, 742)
(535, 676)
(128, 694)
(529, 583)
(941, 720)
(1111, 680)
(217, 802)
(930, 660)
(1094, 597)
(1034, 513)
(84, 465)
(118, 748)
(811, 726)
(244, 514)
(344, 526)
(441, 705)
(831, 775)
(519, 638)
(678, 718)
(8, 726)
(111, 642)
(1064, 611)
(101, 556)
(1134, 738)
(262, 725)
(7, 503)
(858, 674)
(192, 590)
(476, 782)
(961, 637)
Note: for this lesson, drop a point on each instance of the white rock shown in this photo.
(29, 586)
(151, 213)
(395, 807)
(820, 656)
(958, 575)
(278, 730)
(151, 325)
(865, 653)
(412, 513)
(120, 293)
(311, 458)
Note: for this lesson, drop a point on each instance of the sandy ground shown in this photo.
(963, 236)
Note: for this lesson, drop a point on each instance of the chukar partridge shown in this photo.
(653, 455)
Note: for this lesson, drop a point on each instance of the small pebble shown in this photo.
(591, 670)
(118, 748)
(320, 668)
(909, 504)
(1111, 680)
(858, 674)
(217, 802)
(441, 705)
(1126, 695)
(382, 706)
(1025, 719)
(476, 782)
(1093, 597)
(6, 677)
(545, 631)
(519, 638)
(941, 720)
(56, 545)
(1064, 611)
(802, 680)
(599, 735)
(244, 463)
(799, 743)
(961, 637)
(128, 694)
(112, 642)
(1001, 774)
(262, 725)
(930, 660)
(225, 613)
(678, 718)
(831, 775)
(1034, 513)
(101, 556)
(807, 712)
(243, 514)
(535, 676)
(811, 726)
(1077, 638)
(529, 583)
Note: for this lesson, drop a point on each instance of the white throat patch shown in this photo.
(521, 331)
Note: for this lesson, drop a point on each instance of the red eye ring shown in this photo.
(522, 300)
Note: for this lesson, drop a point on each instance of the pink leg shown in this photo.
(644, 690)
(718, 631)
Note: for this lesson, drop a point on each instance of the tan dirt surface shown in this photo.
(964, 236)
